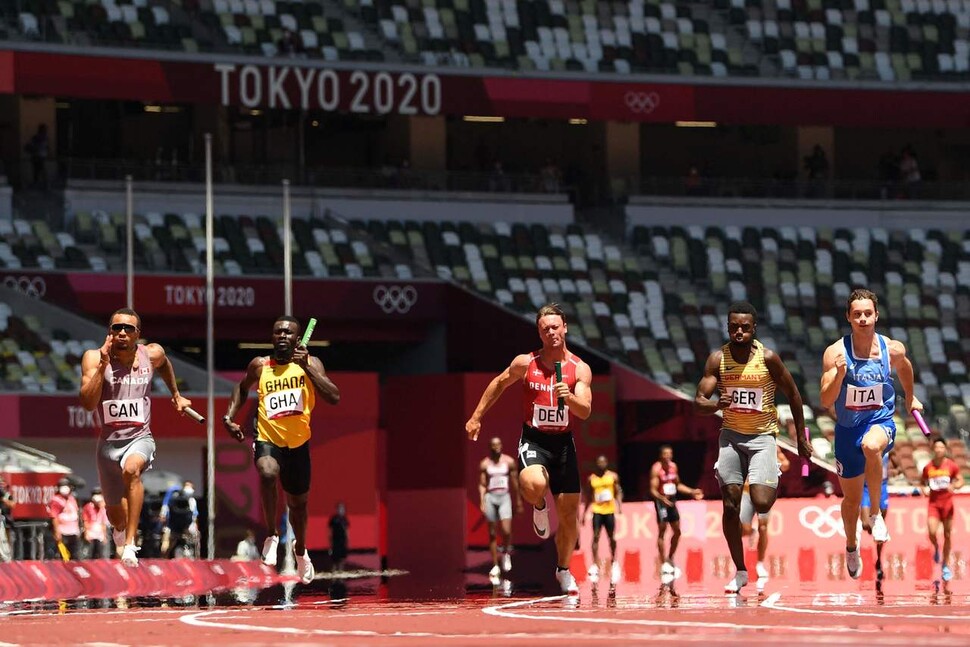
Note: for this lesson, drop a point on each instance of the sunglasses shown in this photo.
(128, 328)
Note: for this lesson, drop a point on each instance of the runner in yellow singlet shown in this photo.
(604, 496)
(287, 386)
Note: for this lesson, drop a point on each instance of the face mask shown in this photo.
(188, 491)
(64, 490)
(97, 498)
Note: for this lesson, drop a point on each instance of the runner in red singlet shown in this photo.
(941, 477)
(547, 454)
(664, 486)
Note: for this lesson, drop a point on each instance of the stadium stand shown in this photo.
(886, 40)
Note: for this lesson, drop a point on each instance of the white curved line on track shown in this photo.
(771, 602)
(503, 611)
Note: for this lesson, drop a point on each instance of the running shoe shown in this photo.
(853, 563)
(739, 580)
(506, 562)
(593, 574)
(947, 574)
(495, 575)
(761, 570)
(667, 568)
(567, 582)
(880, 533)
(129, 556)
(270, 548)
(304, 567)
(615, 572)
(540, 521)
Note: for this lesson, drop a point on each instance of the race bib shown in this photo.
(744, 400)
(545, 417)
(669, 489)
(939, 483)
(863, 398)
(124, 412)
(281, 404)
(604, 496)
(498, 482)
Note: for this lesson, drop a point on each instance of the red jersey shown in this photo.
(939, 478)
(540, 408)
(668, 478)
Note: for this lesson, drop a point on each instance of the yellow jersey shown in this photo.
(604, 493)
(752, 391)
(286, 398)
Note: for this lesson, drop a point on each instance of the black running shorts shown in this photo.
(607, 521)
(555, 452)
(294, 464)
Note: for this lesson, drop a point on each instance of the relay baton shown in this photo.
(562, 403)
(309, 331)
(806, 461)
(922, 423)
(195, 415)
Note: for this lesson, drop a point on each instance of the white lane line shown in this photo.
(771, 602)
(504, 611)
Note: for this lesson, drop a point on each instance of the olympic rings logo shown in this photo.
(641, 102)
(824, 522)
(34, 287)
(395, 298)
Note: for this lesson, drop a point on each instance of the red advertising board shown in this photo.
(31, 492)
(312, 85)
(806, 543)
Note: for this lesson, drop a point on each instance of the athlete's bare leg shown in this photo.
(674, 540)
(947, 525)
(866, 515)
(566, 508)
(731, 522)
(269, 473)
(298, 517)
(661, 544)
(504, 527)
(533, 483)
(874, 443)
(748, 531)
(932, 529)
(118, 516)
(134, 494)
(762, 539)
(851, 500)
(596, 545)
(492, 543)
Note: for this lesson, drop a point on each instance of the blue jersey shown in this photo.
(867, 396)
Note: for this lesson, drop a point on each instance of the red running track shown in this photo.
(837, 612)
